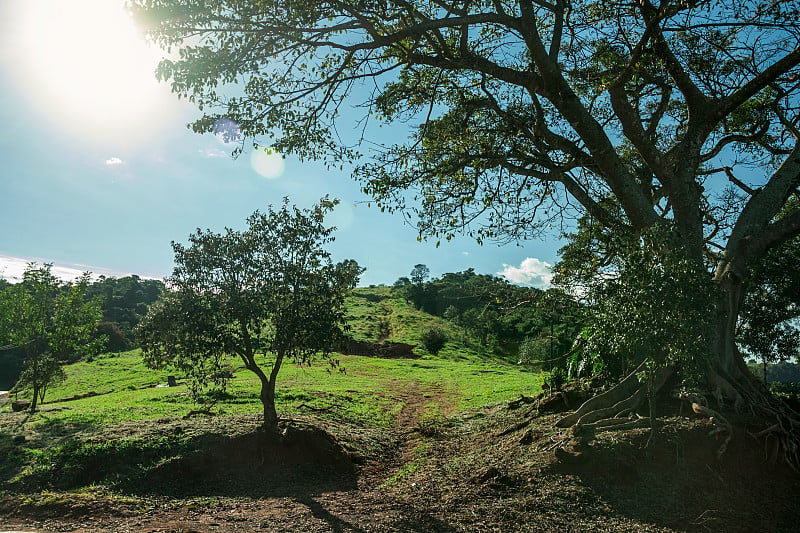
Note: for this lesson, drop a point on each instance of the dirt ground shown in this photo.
(495, 469)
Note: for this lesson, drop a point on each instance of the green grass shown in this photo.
(105, 429)
(377, 314)
(365, 393)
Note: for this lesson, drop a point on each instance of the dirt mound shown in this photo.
(387, 350)
(501, 468)
(299, 455)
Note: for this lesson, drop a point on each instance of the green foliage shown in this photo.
(528, 113)
(125, 301)
(434, 339)
(76, 464)
(116, 340)
(556, 379)
(419, 274)
(650, 303)
(497, 315)
(585, 363)
(263, 294)
(51, 323)
(777, 372)
(768, 328)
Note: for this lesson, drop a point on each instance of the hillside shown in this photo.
(379, 315)
(421, 443)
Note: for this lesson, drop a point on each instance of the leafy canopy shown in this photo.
(263, 294)
(51, 322)
(520, 111)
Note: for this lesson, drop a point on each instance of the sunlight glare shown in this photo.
(267, 162)
(88, 68)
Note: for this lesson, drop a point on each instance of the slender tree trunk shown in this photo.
(268, 400)
(268, 396)
(35, 399)
(35, 376)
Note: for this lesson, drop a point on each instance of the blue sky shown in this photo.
(100, 173)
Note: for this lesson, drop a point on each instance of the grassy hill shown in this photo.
(377, 314)
(116, 389)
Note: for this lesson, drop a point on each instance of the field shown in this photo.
(447, 443)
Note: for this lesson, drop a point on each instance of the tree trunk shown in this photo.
(35, 399)
(729, 384)
(268, 400)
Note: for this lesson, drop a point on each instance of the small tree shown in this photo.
(265, 294)
(116, 337)
(52, 323)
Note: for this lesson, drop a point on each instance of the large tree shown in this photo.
(264, 294)
(683, 114)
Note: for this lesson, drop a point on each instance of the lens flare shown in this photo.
(268, 163)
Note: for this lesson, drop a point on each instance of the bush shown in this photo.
(434, 339)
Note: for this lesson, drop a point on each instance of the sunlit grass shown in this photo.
(363, 390)
(131, 421)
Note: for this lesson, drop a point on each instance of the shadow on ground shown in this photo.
(303, 460)
(683, 484)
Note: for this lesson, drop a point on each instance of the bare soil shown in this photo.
(495, 469)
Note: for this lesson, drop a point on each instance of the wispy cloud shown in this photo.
(531, 272)
(12, 268)
(213, 152)
(112, 161)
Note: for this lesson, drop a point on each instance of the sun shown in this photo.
(87, 67)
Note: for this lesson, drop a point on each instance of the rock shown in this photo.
(570, 457)
(488, 474)
(20, 405)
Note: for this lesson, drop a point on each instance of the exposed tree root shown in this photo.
(744, 401)
(780, 423)
(722, 426)
(614, 424)
(616, 408)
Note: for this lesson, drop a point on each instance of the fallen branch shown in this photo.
(316, 409)
(196, 412)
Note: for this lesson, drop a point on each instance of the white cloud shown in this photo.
(531, 272)
(213, 152)
(111, 161)
(12, 268)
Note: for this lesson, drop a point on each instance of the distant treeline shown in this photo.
(124, 302)
(498, 315)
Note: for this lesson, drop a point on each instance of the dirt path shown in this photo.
(365, 506)
(469, 473)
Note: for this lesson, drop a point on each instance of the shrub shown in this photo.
(434, 339)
